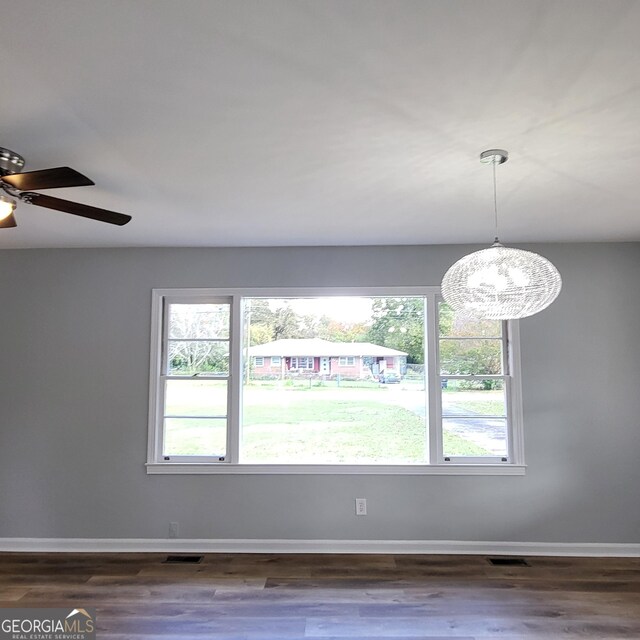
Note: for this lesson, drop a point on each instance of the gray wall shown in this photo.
(74, 339)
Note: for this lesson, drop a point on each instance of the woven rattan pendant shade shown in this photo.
(501, 283)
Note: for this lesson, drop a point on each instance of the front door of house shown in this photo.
(325, 366)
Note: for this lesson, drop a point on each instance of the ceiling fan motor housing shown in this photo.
(10, 162)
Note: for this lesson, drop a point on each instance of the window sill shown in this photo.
(198, 468)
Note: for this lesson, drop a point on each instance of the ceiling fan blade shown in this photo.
(47, 179)
(8, 222)
(75, 208)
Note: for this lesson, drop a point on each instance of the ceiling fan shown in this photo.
(19, 185)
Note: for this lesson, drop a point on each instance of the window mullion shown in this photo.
(434, 408)
(234, 426)
(506, 364)
(156, 385)
(162, 379)
(514, 393)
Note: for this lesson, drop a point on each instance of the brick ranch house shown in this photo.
(324, 358)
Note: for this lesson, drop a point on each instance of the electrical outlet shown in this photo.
(173, 529)
(361, 506)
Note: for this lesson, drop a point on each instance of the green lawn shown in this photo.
(305, 424)
(334, 431)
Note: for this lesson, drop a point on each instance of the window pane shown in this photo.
(195, 437)
(196, 398)
(481, 397)
(199, 320)
(471, 357)
(474, 437)
(458, 324)
(324, 405)
(207, 358)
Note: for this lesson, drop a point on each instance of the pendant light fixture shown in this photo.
(500, 283)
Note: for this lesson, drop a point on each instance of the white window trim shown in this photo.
(231, 465)
(258, 359)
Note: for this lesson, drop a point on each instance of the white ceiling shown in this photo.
(326, 122)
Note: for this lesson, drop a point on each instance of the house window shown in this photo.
(454, 407)
(473, 366)
(191, 395)
(303, 362)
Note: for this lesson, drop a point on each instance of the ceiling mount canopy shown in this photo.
(500, 283)
(494, 156)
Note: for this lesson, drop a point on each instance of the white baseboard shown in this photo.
(454, 547)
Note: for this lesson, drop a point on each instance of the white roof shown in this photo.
(319, 347)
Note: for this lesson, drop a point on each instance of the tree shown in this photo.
(336, 331)
(286, 323)
(267, 323)
(259, 312)
(189, 327)
(259, 321)
(479, 357)
(260, 334)
(398, 323)
(445, 319)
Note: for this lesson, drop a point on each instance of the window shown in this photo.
(304, 362)
(473, 373)
(452, 404)
(193, 382)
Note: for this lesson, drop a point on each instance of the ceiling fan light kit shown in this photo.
(7, 206)
(501, 283)
(19, 185)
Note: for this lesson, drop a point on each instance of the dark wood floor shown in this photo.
(332, 597)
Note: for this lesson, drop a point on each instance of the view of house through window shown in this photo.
(334, 380)
(330, 380)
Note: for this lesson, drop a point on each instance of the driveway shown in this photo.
(488, 433)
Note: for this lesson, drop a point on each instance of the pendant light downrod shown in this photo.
(494, 157)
